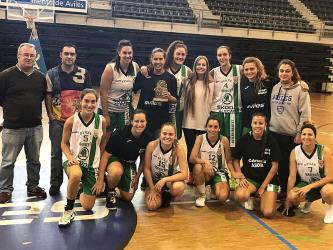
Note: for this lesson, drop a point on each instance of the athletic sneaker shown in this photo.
(201, 201)
(248, 205)
(111, 200)
(328, 219)
(306, 208)
(66, 218)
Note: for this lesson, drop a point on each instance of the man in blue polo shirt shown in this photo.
(64, 85)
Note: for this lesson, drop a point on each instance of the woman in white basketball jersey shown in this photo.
(211, 157)
(116, 87)
(83, 140)
(314, 165)
(165, 169)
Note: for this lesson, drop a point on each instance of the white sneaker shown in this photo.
(200, 201)
(329, 214)
(66, 218)
(248, 205)
(306, 208)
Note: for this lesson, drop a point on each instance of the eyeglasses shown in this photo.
(69, 53)
(28, 55)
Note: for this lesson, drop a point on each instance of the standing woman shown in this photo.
(313, 163)
(165, 169)
(158, 92)
(116, 87)
(227, 105)
(260, 155)
(290, 108)
(175, 58)
(198, 100)
(210, 153)
(83, 140)
(256, 89)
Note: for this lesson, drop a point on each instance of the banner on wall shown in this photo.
(79, 6)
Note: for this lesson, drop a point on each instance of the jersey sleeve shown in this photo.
(137, 82)
(237, 152)
(113, 142)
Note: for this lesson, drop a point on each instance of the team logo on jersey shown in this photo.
(280, 109)
(227, 98)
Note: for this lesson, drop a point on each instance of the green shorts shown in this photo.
(231, 126)
(118, 119)
(179, 123)
(270, 187)
(218, 177)
(313, 194)
(126, 180)
(88, 179)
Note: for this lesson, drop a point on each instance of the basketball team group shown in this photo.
(244, 131)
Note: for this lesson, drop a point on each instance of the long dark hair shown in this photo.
(190, 90)
(296, 76)
(116, 59)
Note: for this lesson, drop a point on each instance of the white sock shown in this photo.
(329, 214)
(201, 189)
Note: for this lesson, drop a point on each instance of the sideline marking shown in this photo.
(269, 229)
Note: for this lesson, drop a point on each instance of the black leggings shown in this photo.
(286, 145)
(190, 135)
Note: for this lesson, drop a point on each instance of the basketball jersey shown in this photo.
(161, 163)
(181, 76)
(227, 97)
(120, 92)
(213, 153)
(85, 141)
(310, 169)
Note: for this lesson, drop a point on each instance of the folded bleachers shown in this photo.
(270, 15)
(321, 8)
(177, 11)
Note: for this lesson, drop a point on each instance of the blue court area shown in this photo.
(33, 224)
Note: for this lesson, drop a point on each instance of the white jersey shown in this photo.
(310, 168)
(213, 153)
(85, 141)
(227, 97)
(120, 92)
(160, 163)
(181, 76)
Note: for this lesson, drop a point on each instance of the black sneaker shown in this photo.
(166, 199)
(37, 191)
(111, 201)
(54, 190)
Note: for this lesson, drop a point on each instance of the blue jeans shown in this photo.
(12, 142)
(55, 134)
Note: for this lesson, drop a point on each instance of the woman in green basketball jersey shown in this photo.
(313, 163)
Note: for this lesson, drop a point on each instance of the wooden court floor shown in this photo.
(217, 226)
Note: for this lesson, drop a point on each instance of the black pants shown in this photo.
(190, 135)
(286, 145)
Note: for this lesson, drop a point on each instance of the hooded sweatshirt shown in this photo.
(290, 108)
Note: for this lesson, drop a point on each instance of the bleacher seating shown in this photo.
(156, 10)
(321, 8)
(270, 15)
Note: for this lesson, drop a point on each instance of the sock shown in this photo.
(70, 205)
(329, 214)
(201, 189)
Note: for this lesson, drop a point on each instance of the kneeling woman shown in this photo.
(314, 165)
(209, 154)
(82, 140)
(260, 154)
(165, 168)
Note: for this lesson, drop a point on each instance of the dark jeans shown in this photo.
(55, 134)
(190, 135)
(286, 145)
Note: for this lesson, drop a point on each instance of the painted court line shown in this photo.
(269, 229)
